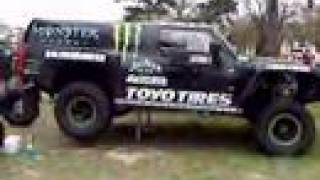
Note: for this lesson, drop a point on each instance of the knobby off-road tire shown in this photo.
(285, 128)
(24, 110)
(83, 111)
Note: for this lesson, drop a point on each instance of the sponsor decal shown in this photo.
(127, 38)
(291, 67)
(198, 59)
(67, 35)
(169, 98)
(144, 65)
(147, 80)
(77, 56)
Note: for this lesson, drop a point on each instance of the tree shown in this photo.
(245, 35)
(181, 10)
(149, 10)
(312, 29)
(297, 32)
(212, 10)
(270, 25)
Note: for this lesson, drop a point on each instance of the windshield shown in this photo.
(220, 39)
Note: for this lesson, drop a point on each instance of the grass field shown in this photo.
(178, 146)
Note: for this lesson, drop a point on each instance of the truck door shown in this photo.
(183, 76)
(207, 78)
(200, 71)
(220, 74)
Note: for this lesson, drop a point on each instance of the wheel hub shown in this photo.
(81, 111)
(285, 129)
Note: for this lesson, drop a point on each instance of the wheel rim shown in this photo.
(81, 111)
(285, 130)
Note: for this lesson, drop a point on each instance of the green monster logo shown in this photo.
(127, 38)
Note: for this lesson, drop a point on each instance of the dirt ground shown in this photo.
(177, 146)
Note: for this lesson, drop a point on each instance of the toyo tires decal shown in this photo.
(170, 98)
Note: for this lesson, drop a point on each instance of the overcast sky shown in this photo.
(20, 12)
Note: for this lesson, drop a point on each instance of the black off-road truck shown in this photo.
(97, 71)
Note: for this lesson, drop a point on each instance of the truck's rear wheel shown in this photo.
(285, 129)
(83, 111)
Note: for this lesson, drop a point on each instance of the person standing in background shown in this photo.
(308, 58)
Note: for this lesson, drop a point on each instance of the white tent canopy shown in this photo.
(18, 13)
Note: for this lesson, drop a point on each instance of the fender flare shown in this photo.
(255, 82)
(249, 89)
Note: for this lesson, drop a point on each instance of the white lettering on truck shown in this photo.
(76, 56)
(169, 98)
(181, 97)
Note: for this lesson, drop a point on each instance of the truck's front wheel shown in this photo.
(285, 128)
(83, 110)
